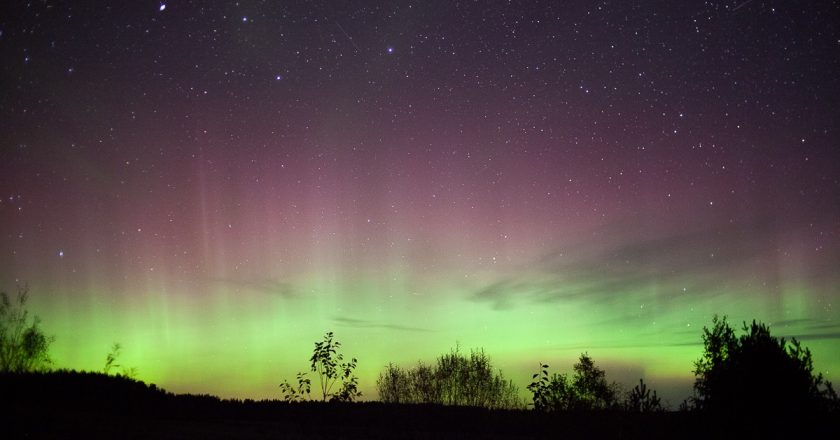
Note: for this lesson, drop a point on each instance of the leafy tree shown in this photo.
(292, 394)
(640, 399)
(23, 345)
(756, 373)
(550, 393)
(328, 364)
(591, 388)
(349, 390)
(587, 389)
(455, 379)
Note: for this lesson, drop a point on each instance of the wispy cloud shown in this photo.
(689, 340)
(703, 261)
(362, 323)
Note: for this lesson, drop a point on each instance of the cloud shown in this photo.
(362, 323)
(813, 336)
(791, 322)
(694, 341)
(824, 326)
(703, 261)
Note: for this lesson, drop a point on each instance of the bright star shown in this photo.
(162, 7)
(390, 50)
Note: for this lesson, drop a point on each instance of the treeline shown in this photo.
(749, 373)
(471, 380)
(737, 375)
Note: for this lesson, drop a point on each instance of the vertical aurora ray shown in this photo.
(538, 191)
(238, 340)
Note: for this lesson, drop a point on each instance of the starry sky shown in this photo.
(216, 184)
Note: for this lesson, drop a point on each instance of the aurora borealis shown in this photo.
(214, 185)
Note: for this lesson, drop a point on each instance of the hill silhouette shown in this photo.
(70, 404)
(95, 405)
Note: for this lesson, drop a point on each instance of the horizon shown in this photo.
(217, 187)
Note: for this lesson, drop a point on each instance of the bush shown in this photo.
(455, 379)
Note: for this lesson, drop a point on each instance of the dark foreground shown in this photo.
(90, 405)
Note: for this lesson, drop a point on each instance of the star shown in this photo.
(499, 163)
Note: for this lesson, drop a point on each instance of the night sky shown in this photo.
(216, 184)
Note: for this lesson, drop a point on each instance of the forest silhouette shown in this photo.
(746, 384)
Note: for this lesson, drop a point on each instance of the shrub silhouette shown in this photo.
(111, 362)
(550, 393)
(455, 379)
(327, 363)
(297, 394)
(586, 390)
(395, 386)
(640, 399)
(23, 345)
(756, 373)
(417, 385)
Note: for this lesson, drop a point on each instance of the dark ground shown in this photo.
(91, 405)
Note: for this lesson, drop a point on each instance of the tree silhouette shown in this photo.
(756, 373)
(455, 379)
(641, 400)
(416, 385)
(591, 388)
(299, 394)
(587, 389)
(394, 385)
(327, 363)
(23, 345)
(550, 393)
(112, 359)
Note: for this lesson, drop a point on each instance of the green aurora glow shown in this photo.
(217, 187)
